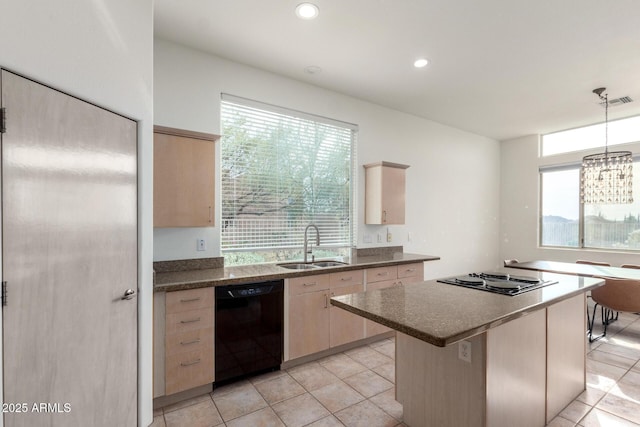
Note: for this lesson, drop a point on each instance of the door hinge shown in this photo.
(3, 120)
(4, 293)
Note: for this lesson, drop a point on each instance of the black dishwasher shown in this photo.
(248, 329)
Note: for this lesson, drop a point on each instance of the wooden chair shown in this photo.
(615, 295)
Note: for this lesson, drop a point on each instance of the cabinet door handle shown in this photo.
(190, 321)
(209, 213)
(309, 284)
(195, 362)
(190, 342)
(326, 301)
(385, 273)
(190, 299)
(346, 279)
(384, 216)
(410, 270)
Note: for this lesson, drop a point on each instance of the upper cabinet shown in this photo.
(183, 178)
(384, 193)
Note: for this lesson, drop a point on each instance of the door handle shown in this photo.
(128, 294)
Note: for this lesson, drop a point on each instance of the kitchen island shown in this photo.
(465, 357)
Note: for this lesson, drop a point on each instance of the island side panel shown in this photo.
(516, 372)
(566, 353)
(435, 387)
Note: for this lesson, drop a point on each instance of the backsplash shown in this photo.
(188, 264)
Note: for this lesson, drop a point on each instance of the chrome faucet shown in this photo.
(306, 238)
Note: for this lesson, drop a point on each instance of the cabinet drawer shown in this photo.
(382, 273)
(189, 341)
(302, 285)
(189, 320)
(345, 290)
(411, 270)
(191, 299)
(346, 278)
(188, 370)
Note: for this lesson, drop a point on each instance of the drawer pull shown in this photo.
(196, 341)
(195, 362)
(190, 321)
(384, 273)
(326, 301)
(410, 270)
(309, 284)
(190, 299)
(346, 279)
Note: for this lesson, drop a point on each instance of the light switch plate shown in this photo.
(202, 245)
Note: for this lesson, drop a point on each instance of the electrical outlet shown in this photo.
(389, 236)
(201, 245)
(464, 351)
(379, 238)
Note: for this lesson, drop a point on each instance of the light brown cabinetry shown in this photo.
(384, 193)
(345, 327)
(183, 178)
(386, 277)
(308, 315)
(189, 345)
(539, 357)
(315, 325)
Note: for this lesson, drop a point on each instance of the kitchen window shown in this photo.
(564, 222)
(282, 170)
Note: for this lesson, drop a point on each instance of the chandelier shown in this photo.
(606, 178)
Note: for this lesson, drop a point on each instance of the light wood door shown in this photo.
(308, 330)
(69, 253)
(385, 184)
(183, 178)
(393, 195)
(345, 327)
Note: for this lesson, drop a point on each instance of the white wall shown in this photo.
(100, 51)
(452, 184)
(520, 206)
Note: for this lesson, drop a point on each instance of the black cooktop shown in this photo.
(498, 282)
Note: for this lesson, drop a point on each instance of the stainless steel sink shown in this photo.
(298, 266)
(323, 264)
(311, 265)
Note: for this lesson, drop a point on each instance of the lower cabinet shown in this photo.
(315, 325)
(387, 277)
(189, 344)
(345, 327)
(308, 315)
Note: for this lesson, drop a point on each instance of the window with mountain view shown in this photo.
(597, 226)
(564, 221)
(281, 171)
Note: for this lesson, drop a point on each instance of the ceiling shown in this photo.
(499, 68)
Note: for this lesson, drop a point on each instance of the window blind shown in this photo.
(281, 171)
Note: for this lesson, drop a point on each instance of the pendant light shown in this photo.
(606, 178)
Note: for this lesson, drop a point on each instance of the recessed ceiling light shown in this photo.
(307, 11)
(421, 63)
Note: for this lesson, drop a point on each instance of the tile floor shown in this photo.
(356, 388)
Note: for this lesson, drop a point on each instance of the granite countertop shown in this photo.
(589, 270)
(200, 278)
(443, 314)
